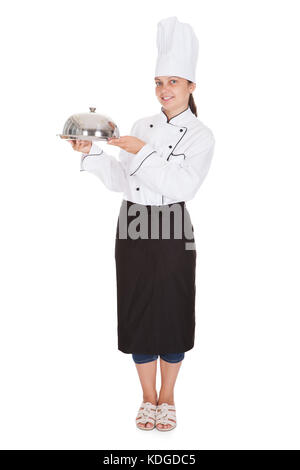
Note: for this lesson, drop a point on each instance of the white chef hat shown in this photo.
(178, 48)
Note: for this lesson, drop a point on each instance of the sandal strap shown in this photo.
(147, 412)
(166, 414)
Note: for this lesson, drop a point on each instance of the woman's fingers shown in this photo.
(128, 143)
(80, 145)
(72, 142)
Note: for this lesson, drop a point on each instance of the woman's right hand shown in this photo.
(83, 146)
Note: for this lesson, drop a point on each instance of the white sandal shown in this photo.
(166, 414)
(146, 414)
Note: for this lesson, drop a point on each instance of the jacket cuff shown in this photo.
(94, 150)
(142, 157)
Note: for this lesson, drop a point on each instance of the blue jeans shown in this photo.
(168, 357)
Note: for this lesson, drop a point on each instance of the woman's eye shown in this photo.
(173, 80)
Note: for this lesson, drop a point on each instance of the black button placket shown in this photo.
(170, 146)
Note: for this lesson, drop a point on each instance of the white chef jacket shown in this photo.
(169, 168)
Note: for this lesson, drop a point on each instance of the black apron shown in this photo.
(155, 280)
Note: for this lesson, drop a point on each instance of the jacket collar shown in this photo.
(180, 119)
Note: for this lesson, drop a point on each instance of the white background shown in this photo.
(64, 384)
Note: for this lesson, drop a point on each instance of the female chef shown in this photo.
(161, 165)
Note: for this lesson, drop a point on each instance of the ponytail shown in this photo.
(192, 104)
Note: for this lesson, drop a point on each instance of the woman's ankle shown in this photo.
(166, 397)
(150, 397)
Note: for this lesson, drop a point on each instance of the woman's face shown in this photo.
(177, 89)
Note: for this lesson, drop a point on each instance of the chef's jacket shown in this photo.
(169, 168)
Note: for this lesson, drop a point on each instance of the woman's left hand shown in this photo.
(128, 143)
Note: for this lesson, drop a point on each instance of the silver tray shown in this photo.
(83, 137)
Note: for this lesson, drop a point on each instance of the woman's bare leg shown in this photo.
(169, 372)
(147, 375)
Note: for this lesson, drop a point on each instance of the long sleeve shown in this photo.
(106, 167)
(179, 177)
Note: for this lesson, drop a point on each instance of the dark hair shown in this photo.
(192, 104)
